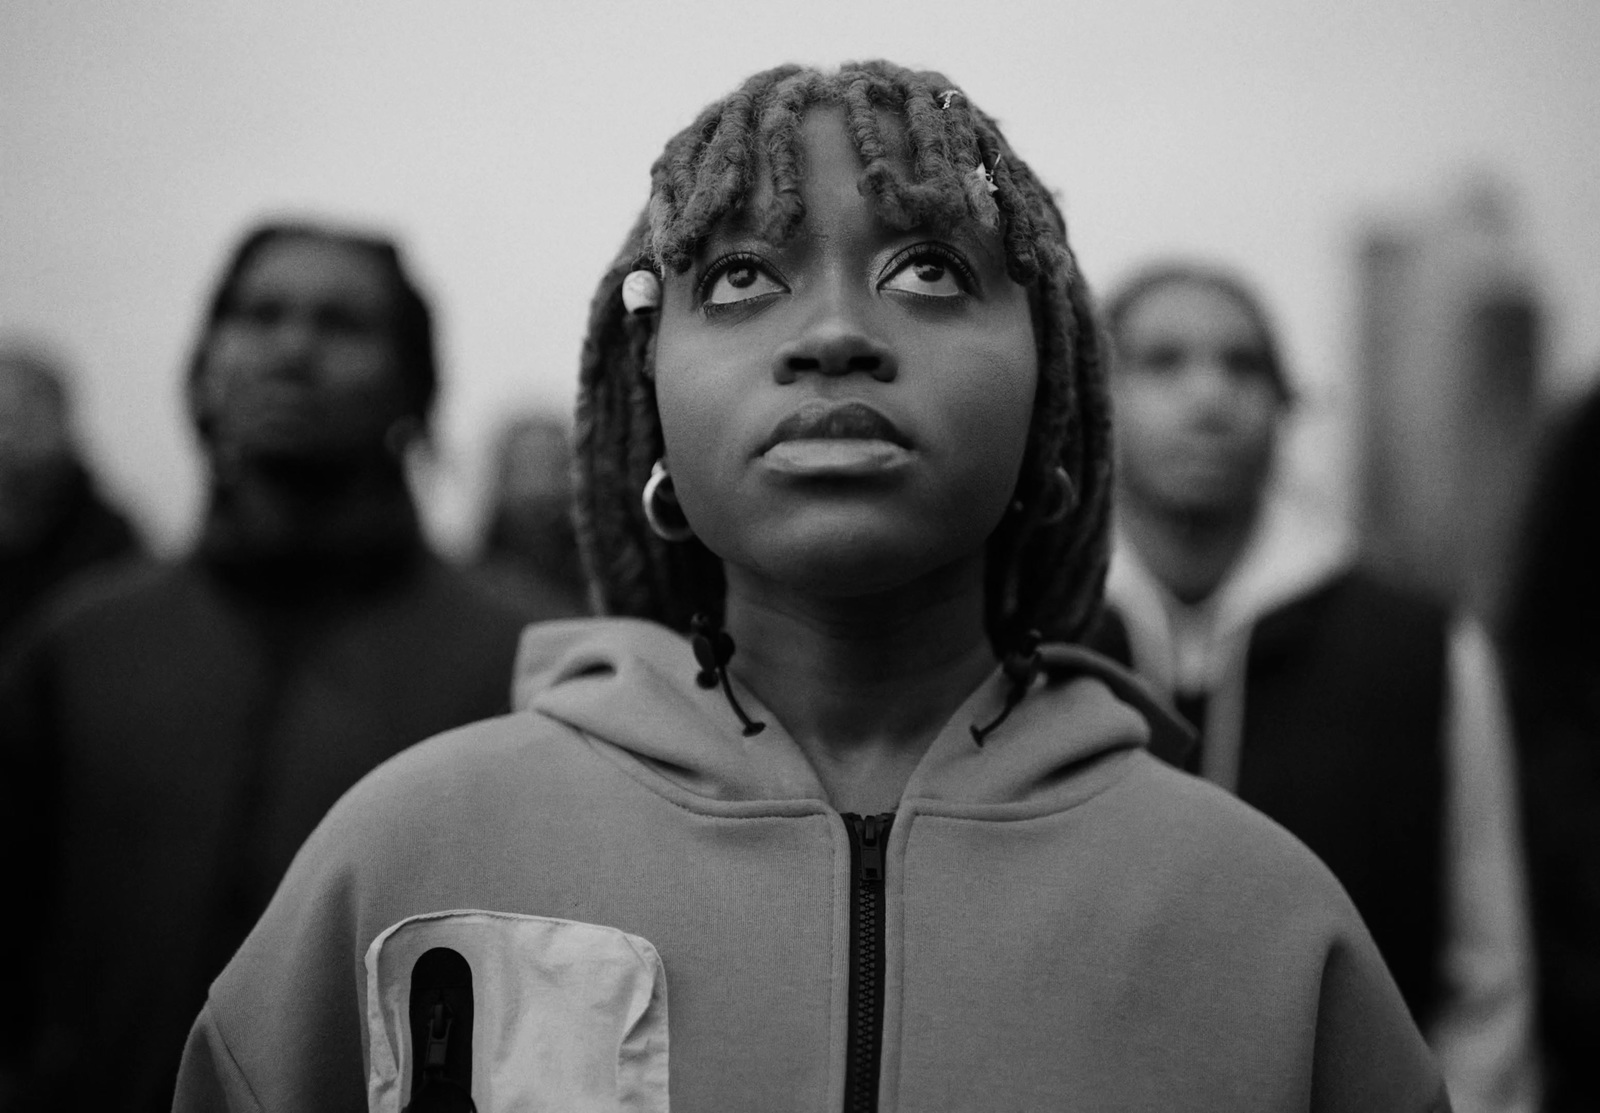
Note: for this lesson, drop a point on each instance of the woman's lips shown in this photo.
(835, 439)
(822, 420)
(835, 457)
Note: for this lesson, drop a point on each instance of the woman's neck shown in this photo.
(863, 684)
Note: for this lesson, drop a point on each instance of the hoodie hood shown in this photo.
(630, 683)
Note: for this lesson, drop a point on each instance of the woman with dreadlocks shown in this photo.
(833, 772)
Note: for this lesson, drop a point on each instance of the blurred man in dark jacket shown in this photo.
(172, 737)
(53, 523)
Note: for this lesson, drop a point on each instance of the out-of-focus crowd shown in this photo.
(173, 729)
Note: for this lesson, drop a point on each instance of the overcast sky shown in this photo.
(508, 145)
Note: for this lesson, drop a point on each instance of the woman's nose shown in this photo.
(835, 343)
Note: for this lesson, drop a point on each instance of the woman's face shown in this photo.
(847, 410)
(303, 360)
(1196, 406)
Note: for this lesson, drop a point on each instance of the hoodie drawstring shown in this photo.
(713, 649)
(1022, 667)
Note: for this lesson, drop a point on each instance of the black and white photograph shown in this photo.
(837, 557)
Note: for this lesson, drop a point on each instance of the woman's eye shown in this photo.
(741, 282)
(927, 275)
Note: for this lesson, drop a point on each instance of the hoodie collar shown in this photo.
(630, 683)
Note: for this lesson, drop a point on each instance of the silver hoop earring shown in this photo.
(659, 485)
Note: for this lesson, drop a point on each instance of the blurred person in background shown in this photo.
(1551, 639)
(170, 738)
(530, 548)
(1365, 719)
(54, 524)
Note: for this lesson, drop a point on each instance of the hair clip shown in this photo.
(641, 292)
(946, 97)
(985, 176)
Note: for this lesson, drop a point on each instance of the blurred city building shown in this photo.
(1450, 342)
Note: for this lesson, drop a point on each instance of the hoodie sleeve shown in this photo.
(1369, 1055)
(282, 1025)
(209, 1077)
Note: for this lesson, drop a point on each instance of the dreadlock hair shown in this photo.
(1045, 570)
(1210, 276)
(412, 323)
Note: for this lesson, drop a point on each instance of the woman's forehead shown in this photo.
(828, 160)
(823, 146)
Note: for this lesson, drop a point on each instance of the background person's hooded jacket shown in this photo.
(649, 901)
(171, 735)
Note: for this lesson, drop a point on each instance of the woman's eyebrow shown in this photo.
(976, 241)
(722, 242)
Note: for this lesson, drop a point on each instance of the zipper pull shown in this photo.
(869, 832)
(438, 1039)
(871, 849)
(440, 1016)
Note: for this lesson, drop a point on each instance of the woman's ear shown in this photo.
(640, 329)
(647, 361)
(641, 294)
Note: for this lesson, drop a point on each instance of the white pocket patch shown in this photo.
(567, 1016)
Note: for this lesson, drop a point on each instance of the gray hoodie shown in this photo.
(652, 904)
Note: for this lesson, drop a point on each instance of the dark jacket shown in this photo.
(85, 531)
(170, 738)
(1551, 634)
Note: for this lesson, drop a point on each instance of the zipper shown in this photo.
(440, 1012)
(864, 1045)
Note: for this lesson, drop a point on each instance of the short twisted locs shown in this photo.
(1040, 573)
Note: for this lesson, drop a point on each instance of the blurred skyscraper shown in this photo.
(1451, 327)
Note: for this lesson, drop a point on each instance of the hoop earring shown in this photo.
(659, 485)
(1065, 500)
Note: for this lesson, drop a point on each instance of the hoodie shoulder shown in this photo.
(1209, 836)
(469, 759)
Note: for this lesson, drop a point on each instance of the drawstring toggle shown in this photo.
(1021, 667)
(713, 649)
